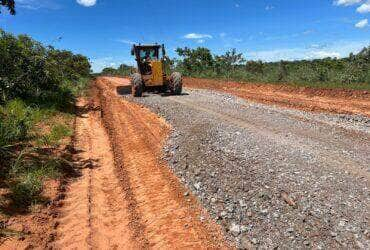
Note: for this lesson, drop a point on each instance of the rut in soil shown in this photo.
(126, 196)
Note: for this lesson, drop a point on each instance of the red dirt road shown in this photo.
(327, 100)
(127, 198)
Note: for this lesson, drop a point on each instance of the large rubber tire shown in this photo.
(137, 85)
(176, 83)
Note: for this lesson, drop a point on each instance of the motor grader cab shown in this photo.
(151, 73)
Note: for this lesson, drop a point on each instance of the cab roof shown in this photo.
(147, 45)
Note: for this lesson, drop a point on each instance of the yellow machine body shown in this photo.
(156, 78)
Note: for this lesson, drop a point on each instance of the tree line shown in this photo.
(31, 71)
(200, 62)
(122, 70)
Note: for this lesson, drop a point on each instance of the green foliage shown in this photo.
(57, 133)
(9, 4)
(30, 71)
(36, 83)
(195, 61)
(123, 70)
(26, 189)
(15, 122)
(351, 72)
(27, 179)
(24, 166)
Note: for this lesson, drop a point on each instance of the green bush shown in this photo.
(57, 133)
(15, 122)
(27, 180)
(36, 82)
(123, 70)
(26, 189)
(29, 70)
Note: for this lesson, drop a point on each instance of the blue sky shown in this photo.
(265, 29)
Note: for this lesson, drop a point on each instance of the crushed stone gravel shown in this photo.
(272, 177)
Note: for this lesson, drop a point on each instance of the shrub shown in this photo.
(29, 70)
(57, 133)
(15, 122)
(122, 70)
(26, 189)
(35, 83)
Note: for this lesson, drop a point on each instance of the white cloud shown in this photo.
(98, 64)
(228, 41)
(318, 46)
(86, 3)
(223, 34)
(364, 8)
(125, 41)
(323, 54)
(338, 49)
(346, 2)
(38, 4)
(292, 54)
(200, 41)
(269, 7)
(197, 36)
(362, 24)
(308, 32)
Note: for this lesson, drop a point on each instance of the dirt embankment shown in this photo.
(127, 197)
(309, 99)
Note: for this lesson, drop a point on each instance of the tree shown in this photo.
(283, 72)
(9, 4)
(228, 62)
(195, 60)
(28, 70)
(109, 71)
(255, 67)
(233, 58)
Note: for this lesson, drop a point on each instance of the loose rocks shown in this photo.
(237, 157)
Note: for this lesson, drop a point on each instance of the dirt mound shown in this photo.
(311, 99)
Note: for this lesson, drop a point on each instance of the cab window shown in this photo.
(148, 53)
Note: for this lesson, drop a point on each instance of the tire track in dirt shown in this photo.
(168, 219)
(94, 214)
(126, 197)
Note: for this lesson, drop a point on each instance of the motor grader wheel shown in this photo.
(137, 85)
(176, 83)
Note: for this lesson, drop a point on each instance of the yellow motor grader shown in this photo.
(151, 71)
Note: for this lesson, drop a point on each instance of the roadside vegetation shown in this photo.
(352, 72)
(9, 5)
(122, 71)
(38, 88)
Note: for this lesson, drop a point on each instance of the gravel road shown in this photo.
(272, 177)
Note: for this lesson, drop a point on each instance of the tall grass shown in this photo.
(38, 89)
(25, 164)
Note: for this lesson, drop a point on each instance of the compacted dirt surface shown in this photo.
(210, 170)
(126, 196)
(309, 99)
(272, 177)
